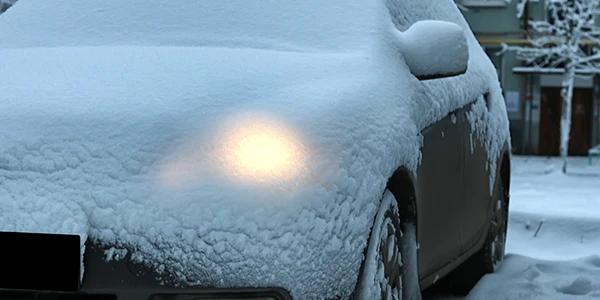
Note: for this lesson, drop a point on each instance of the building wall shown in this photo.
(494, 26)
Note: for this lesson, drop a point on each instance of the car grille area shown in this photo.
(31, 261)
(34, 267)
(215, 297)
(27, 295)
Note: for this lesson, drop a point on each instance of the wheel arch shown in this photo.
(503, 173)
(402, 185)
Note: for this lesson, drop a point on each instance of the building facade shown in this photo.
(532, 97)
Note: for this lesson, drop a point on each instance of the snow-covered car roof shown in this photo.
(293, 25)
(118, 122)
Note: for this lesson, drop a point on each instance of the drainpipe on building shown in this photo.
(526, 87)
(526, 20)
(526, 109)
(530, 117)
(523, 127)
(596, 112)
(527, 114)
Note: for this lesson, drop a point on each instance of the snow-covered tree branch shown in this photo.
(567, 39)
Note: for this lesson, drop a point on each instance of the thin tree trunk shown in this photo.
(565, 122)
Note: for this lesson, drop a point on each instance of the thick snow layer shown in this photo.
(294, 25)
(563, 260)
(484, 117)
(130, 123)
(524, 278)
(429, 60)
(567, 204)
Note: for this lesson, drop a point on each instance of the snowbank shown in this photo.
(525, 278)
(566, 207)
(114, 126)
(553, 236)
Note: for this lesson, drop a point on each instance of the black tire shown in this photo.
(494, 248)
(391, 252)
(486, 260)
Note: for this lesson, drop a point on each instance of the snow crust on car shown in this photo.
(422, 57)
(267, 24)
(484, 117)
(113, 127)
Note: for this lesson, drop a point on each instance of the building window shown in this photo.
(484, 3)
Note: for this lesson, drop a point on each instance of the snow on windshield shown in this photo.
(273, 24)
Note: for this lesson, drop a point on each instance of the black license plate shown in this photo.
(44, 262)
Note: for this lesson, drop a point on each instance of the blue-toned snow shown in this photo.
(116, 119)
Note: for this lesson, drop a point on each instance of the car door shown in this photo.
(439, 193)
(477, 185)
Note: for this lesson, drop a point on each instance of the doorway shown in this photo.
(581, 122)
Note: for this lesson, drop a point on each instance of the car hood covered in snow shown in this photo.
(155, 160)
(136, 140)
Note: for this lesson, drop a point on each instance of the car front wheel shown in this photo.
(390, 270)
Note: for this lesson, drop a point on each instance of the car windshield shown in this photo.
(271, 24)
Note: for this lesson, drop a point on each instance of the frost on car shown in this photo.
(250, 149)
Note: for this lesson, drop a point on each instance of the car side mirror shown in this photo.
(435, 49)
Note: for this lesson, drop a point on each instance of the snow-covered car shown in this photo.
(247, 149)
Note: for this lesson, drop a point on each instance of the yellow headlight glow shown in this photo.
(243, 150)
(262, 152)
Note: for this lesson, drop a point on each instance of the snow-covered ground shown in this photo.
(563, 260)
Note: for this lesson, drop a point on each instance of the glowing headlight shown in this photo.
(245, 150)
(262, 152)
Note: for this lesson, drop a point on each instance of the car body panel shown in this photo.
(464, 192)
(439, 193)
(474, 216)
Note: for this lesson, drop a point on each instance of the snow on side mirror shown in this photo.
(435, 49)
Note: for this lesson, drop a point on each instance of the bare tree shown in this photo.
(566, 40)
